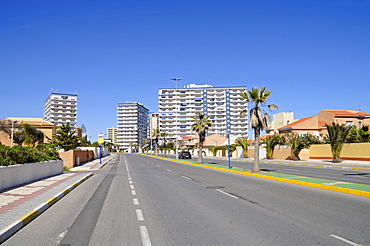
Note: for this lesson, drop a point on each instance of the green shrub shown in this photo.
(20, 155)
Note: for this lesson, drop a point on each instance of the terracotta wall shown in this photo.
(352, 151)
(69, 158)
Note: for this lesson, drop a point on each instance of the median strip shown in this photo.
(333, 185)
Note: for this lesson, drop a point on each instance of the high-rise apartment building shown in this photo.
(132, 124)
(112, 134)
(60, 108)
(222, 104)
(153, 123)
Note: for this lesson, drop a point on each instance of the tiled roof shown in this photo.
(295, 123)
(31, 121)
(346, 112)
(322, 123)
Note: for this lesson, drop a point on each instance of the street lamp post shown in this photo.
(228, 148)
(12, 138)
(177, 148)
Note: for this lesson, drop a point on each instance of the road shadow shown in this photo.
(357, 174)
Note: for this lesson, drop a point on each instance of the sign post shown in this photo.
(100, 142)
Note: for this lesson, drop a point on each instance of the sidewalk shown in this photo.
(21, 204)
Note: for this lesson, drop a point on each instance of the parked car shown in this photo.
(185, 155)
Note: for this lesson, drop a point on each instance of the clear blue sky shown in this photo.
(313, 55)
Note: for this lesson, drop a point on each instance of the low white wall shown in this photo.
(96, 150)
(23, 173)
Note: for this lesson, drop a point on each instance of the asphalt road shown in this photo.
(345, 175)
(139, 200)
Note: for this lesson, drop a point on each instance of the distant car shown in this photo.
(185, 155)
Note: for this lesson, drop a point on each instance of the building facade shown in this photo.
(279, 120)
(112, 134)
(316, 125)
(222, 104)
(61, 109)
(6, 127)
(133, 126)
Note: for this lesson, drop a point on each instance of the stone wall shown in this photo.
(23, 173)
(73, 158)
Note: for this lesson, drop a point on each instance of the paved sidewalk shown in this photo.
(21, 204)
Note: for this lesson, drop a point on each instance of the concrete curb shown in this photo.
(12, 228)
(105, 163)
(320, 186)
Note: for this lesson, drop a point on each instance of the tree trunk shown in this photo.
(256, 163)
(245, 154)
(200, 154)
(337, 160)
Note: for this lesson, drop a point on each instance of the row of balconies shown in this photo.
(62, 116)
(64, 112)
(62, 102)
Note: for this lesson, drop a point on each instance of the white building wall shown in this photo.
(61, 109)
(222, 105)
(132, 124)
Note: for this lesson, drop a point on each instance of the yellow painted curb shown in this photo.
(51, 201)
(29, 216)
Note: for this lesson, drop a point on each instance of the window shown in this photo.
(360, 124)
(349, 123)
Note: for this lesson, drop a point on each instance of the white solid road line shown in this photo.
(145, 236)
(345, 240)
(139, 215)
(223, 192)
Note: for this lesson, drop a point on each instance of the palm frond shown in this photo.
(273, 107)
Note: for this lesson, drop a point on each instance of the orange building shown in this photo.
(315, 125)
(47, 128)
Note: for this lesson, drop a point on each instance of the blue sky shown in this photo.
(313, 55)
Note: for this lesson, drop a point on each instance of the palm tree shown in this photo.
(66, 138)
(164, 135)
(243, 142)
(32, 135)
(29, 135)
(296, 143)
(258, 119)
(201, 125)
(155, 135)
(359, 135)
(337, 135)
(270, 143)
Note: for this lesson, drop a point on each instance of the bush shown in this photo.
(20, 155)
